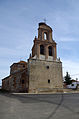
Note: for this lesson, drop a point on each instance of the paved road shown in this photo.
(51, 106)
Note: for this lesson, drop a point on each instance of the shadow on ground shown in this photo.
(53, 99)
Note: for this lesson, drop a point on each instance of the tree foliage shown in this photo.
(67, 79)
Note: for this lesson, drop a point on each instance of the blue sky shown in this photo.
(19, 23)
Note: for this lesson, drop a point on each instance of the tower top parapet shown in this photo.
(45, 26)
(44, 47)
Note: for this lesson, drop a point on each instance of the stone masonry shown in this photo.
(42, 72)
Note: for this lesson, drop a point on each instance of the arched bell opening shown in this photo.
(41, 49)
(50, 50)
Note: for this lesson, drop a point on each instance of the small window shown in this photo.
(48, 80)
(22, 81)
(23, 65)
(47, 67)
(72, 84)
(7, 82)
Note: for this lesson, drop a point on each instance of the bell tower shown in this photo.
(45, 70)
(44, 47)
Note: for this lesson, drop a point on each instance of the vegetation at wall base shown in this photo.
(67, 79)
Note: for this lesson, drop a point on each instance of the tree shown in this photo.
(67, 79)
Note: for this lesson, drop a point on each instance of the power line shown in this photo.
(69, 69)
(74, 74)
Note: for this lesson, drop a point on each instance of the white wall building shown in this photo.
(74, 85)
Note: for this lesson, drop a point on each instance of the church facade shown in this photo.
(42, 72)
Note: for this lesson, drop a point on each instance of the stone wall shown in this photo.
(15, 67)
(18, 82)
(44, 75)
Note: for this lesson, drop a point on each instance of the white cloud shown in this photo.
(72, 67)
(67, 39)
(19, 51)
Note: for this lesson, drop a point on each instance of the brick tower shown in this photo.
(45, 70)
(44, 46)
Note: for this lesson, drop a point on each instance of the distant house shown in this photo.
(73, 85)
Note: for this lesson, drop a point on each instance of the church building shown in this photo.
(43, 70)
